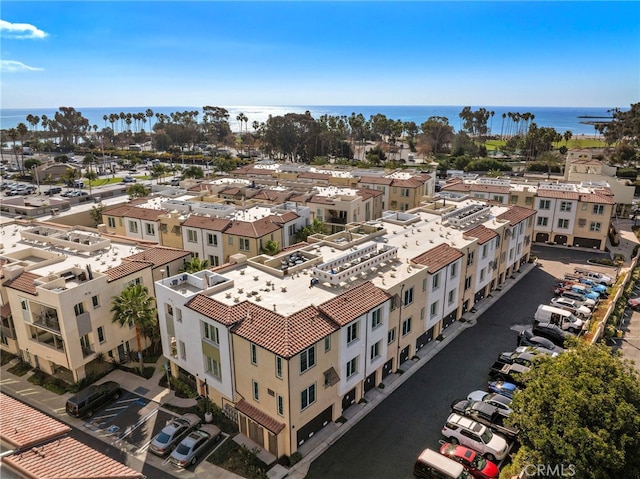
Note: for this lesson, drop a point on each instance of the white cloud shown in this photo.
(12, 66)
(20, 31)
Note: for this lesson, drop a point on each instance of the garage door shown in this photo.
(587, 242)
(321, 420)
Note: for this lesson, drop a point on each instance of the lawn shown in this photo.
(239, 460)
(573, 143)
(103, 182)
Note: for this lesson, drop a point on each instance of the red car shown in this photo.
(472, 461)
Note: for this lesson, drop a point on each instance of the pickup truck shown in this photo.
(490, 416)
(508, 372)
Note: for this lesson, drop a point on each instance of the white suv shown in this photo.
(462, 430)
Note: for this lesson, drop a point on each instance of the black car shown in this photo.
(547, 330)
(540, 342)
(85, 402)
(53, 191)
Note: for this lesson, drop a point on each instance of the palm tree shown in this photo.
(194, 265)
(504, 115)
(134, 306)
(22, 133)
(13, 135)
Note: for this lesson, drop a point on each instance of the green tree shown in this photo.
(96, 214)
(271, 248)
(438, 132)
(581, 408)
(317, 227)
(193, 172)
(137, 190)
(194, 265)
(135, 306)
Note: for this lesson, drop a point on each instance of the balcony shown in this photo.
(47, 320)
(48, 339)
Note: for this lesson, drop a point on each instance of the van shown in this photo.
(431, 465)
(84, 403)
(560, 317)
(78, 184)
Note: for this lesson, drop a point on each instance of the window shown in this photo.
(470, 256)
(120, 221)
(244, 244)
(595, 226)
(352, 332)
(163, 228)
(563, 223)
(375, 350)
(406, 326)
(211, 333)
(101, 338)
(544, 204)
(212, 240)
(582, 222)
(467, 283)
(482, 274)
(391, 336)
(598, 209)
(214, 260)
(280, 404)
(183, 350)
(192, 236)
(376, 318)
(404, 192)
(421, 314)
(327, 344)
(307, 359)
(213, 367)
(454, 270)
(452, 296)
(111, 222)
(565, 206)
(308, 396)
(394, 303)
(352, 367)
(178, 314)
(498, 198)
(514, 199)
(133, 226)
(254, 354)
(278, 367)
(485, 249)
(408, 296)
(256, 390)
(424, 284)
(436, 282)
(95, 301)
(542, 221)
(528, 200)
(434, 309)
(151, 229)
(79, 309)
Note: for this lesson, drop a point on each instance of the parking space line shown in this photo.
(133, 399)
(116, 408)
(140, 422)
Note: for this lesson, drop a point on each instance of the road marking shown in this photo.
(29, 393)
(8, 381)
(140, 422)
(24, 391)
(116, 408)
(127, 400)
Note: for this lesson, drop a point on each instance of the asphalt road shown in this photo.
(387, 441)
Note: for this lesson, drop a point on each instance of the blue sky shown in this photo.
(163, 53)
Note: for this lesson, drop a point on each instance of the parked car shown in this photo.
(85, 402)
(54, 190)
(566, 320)
(478, 466)
(128, 179)
(554, 333)
(580, 299)
(192, 446)
(172, 433)
(486, 414)
(523, 358)
(539, 350)
(503, 388)
(634, 303)
(601, 289)
(572, 306)
(462, 430)
(540, 342)
(594, 275)
(495, 399)
(508, 372)
(432, 465)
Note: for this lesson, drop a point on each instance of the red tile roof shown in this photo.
(252, 229)
(211, 223)
(258, 416)
(284, 336)
(438, 257)
(354, 303)
(213, 309)
(23, 427)
(125, 269)
(159, 255)
(44, 450)
(24, 283)
(376, 180)
(565, 195)
(481, 232)
(413, 182)
(69, 459)
(315, 175)
(366, 193)
(516, 214)
(597, 198)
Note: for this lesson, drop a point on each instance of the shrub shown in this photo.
(295, 458)
(21, 368)
(6, 357)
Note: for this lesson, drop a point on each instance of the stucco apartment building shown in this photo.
(570, 214)
(285, 344)
(58, 285)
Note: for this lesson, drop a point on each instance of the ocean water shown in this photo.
(559, 118)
